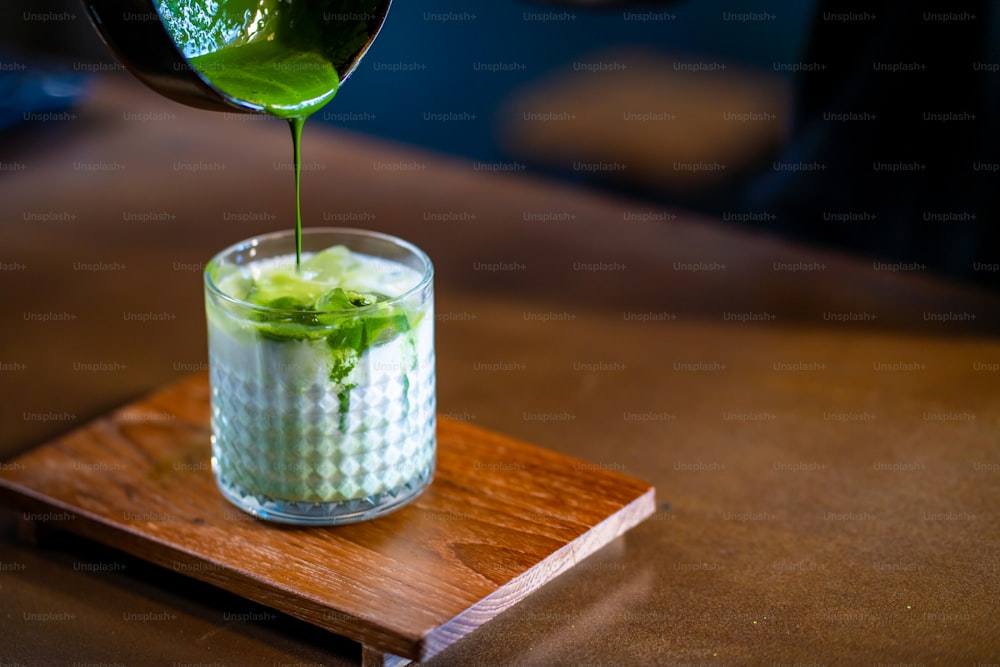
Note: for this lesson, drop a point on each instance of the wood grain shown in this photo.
(500, 520)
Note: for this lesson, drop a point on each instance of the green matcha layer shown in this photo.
(336, 295)
(285, 57)
(287, 84)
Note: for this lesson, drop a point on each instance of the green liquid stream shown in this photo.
(282, 57)
(286, 84)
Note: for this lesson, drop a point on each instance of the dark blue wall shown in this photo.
(435, 47)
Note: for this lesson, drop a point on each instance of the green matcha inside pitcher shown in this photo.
(282, 58)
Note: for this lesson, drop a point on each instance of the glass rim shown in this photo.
(425, 280)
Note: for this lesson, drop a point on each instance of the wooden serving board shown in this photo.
(501, 519)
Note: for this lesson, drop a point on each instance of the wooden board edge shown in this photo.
(39, 516)
(518, 588)
(378, 640)
(371, 657)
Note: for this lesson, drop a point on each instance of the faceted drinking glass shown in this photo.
(322, 376)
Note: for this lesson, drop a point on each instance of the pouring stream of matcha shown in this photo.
(278, 57)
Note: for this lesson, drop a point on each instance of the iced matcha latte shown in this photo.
(322, 375)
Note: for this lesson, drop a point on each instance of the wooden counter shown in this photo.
(822, 431)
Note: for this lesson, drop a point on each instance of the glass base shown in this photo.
(325, 514)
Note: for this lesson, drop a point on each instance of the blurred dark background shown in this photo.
(452, 41)
(714, 105)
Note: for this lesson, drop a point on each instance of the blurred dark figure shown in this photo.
(894, 151)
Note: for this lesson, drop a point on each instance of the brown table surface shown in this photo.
(824, 442)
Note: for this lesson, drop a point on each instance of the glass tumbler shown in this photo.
(322, 374)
